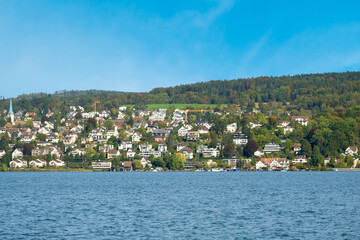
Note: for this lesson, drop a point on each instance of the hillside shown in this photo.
(307, 91)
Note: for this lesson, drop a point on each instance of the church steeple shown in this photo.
(11, 113)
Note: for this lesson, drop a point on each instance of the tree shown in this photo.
(90, 124)
(349, 161)
(229, 150)
(41, 137)
(315, 157)
(305, 147)
(137, 164)
(250, 148)
(177, 161)
(27, 149)
(109, 124)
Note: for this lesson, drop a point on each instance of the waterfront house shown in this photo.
(351, 150)
(101, 165)
(18, 163)
(57, 163)
(38, 163)
(145, 161)
(127, 166)
(299, 159)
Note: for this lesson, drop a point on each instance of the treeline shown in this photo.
(315, 92)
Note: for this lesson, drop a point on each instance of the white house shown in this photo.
(351, 150)
(240, 139)
(145, 161)
(17, 153)
(125, 145)
(2, 153)
(37, 163)
(130, 153)
(18, 163)
(260, 165)
(136, 137)
(300, 119)
(299, 159)
(113, 153)
(57, 163)
(231, 127)
(187, 152)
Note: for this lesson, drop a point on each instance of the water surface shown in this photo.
(180, 205)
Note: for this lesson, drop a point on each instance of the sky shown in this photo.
(138, 45)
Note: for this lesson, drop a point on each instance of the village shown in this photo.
(139, 139)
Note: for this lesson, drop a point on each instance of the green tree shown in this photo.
(177, 161)
(315, 157)
(250, 148)
(109, 124)
(137, 164)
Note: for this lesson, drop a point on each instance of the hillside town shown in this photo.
(133, 138)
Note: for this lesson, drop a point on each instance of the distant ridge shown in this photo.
(303, 91)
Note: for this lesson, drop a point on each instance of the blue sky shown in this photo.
(46, 46)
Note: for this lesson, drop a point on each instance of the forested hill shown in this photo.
(307, 91)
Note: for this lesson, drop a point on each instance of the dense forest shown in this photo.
(316, 92)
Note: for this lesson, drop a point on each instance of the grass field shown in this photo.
(181, 106)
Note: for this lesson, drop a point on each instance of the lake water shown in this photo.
(180, 205)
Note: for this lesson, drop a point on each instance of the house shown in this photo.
(180, 146)
(37, 163)
(145, 147)
(240, 139)
(145, 161)
(203, 130)
(297, 147)
(125, 145)
(78, 151)
(271, 147)
(288, 129)
(57, 163)
(300, 119)
(52, 137)
(192, 165)
(193, 136)
(113, 153)
(2, 153)
(299, 159)
(162, 147)
(160, 135)
(130, 153)
(258, 153)
(260, 165)
(184, 130)
(210, 152)
(101, 165)
(231, 127)
(106, 148)
(231, 162)
(127, 166)
(283, 124)
(187, 152)
(351, 150)
(18, 163)
(254, 125)
(17, 153)
(136, 137)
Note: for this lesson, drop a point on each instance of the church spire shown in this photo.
(11, 113)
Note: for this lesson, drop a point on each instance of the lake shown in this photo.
(180, 205)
